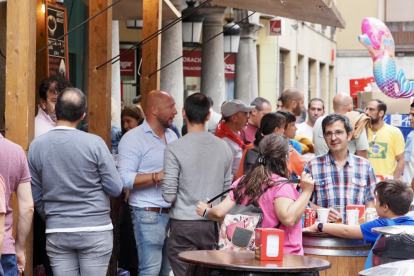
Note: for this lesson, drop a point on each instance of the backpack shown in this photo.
(237, 231)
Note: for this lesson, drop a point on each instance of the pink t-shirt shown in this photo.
(248, 135)
(293, 235)
(15, 170)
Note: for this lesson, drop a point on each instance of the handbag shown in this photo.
(237, 231)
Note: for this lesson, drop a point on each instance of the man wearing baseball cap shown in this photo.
(235, 115)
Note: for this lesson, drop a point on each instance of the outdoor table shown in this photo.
(401, 268)
(344, 254)
(220, 262)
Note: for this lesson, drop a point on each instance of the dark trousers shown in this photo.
(188, 235)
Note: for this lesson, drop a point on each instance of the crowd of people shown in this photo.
(165, 179)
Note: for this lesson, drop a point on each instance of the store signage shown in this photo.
(192, 64)
(357, 85)
(276, 27)
(127, 63)
(56, 26)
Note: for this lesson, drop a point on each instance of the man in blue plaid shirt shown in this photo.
(341, 178)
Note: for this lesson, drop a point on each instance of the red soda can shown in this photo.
(310, 215)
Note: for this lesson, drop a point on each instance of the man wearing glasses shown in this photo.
(341, 178)
(387, 144)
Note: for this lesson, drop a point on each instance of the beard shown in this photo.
(297, 111)
(163, 123)
(375, 121)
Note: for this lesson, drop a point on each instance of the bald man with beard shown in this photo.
(342, 104)
(141, 159)
(293, 100)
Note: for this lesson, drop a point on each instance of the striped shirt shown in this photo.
(141, 151)
(353, 183)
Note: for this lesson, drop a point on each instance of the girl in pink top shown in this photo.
(279, 203)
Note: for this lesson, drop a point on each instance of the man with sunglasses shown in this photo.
(341, 178)
(387, 144)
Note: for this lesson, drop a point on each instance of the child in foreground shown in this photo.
(393, 200)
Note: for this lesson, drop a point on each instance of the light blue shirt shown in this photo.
(141, 151)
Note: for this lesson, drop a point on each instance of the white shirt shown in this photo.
(305, 129)
(212, 123)
(409, 169)
(43, 122)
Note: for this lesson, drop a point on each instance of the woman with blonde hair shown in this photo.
(281, 204)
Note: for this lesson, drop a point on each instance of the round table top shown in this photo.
(245, 261)
(394, 229)
(401, 268)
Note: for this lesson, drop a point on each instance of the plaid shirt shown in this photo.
(353, 183)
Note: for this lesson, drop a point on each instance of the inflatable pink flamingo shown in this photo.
(377, 38)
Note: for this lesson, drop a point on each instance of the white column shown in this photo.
(116, 78)
(172, 79)
(212, 66)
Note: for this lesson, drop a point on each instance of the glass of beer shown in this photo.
(341, 210)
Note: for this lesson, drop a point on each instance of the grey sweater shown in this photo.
(72, 175)
(196, 167)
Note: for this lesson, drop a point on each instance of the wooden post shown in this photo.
(20, 86)
(41, 40)
(151, 52)
(99, 86)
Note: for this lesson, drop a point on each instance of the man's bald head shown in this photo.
(160, 105)
(342, 103)
(71, 105)
(293, 100)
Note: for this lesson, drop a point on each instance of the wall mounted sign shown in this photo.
(127, 63)
(57, 53)
(276, 27)
(192, 64)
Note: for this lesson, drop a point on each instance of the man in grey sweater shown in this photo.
(196, 167)
(72, 175)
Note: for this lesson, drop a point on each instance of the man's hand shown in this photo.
(311, 229)
(21, 261)
(334, 215)
(307, 184)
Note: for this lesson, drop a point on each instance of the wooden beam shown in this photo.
(99, 86)
(151, 51)
(20, 86)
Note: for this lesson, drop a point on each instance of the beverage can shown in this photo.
(310, 215)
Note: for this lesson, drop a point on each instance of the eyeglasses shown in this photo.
(337, 133)
(373, 139)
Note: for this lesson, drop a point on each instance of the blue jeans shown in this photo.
(79, 253)
(9, 264)
(149, 231)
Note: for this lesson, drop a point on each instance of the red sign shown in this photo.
(357, 85)
(192, 64)
(275, 27)
(229, 65)
(127, 63)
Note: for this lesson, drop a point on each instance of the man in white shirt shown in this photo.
(408, 176)
(214, 120)
(49, 90)
(316, 109)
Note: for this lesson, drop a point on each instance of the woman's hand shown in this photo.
(201, 207)
(307, 183)
(311, 229)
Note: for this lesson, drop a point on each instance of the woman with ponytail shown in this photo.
(280, 203)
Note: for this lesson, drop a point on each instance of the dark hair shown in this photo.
(381, 105)
(273, 149)
(332, 118)
(289, 116)
(316, 100)
(396, 194)
(211, 101)
(53, 83)
(70, 108)
(136, 100)
(132, 111)
(197, 107)
(412, 104)
(268, 124)
(258, 103)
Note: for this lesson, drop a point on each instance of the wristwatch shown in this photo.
(320, 227)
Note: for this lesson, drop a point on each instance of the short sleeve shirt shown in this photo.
(370, 236)
(293, 235)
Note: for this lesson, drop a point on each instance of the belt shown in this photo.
(157, 210)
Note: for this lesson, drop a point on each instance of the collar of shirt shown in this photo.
(331, 160)
(63, 127)
(42, 114)
(147, 129)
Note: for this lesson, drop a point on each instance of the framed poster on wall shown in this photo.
(57, 54)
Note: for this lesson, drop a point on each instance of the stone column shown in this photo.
(212, 66)
(116, 78)
(246, 79)
(172, 79)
